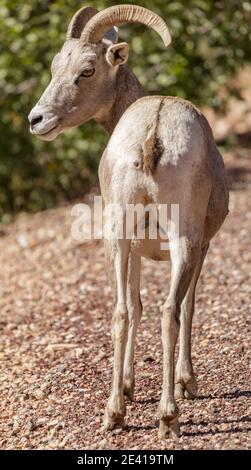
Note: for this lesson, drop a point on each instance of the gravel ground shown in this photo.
(56, 352)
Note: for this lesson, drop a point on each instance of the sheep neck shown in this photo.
(127, 89)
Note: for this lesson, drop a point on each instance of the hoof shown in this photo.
(112, 421)
(191, 388)
(114, 414)
(186, 389)
(169, 428)
(168, 419)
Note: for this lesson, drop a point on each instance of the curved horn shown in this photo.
(119, 14)
(78, 22)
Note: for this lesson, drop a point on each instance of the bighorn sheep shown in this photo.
(161, 151)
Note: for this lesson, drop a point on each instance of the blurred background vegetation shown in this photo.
(211, 39)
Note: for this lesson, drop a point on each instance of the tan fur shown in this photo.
(152, 147)
(161, 151)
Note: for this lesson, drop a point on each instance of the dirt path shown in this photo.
(56, 353)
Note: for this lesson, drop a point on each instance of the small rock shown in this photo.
(22, 241)
(115, 432)
(65, 440)
(102, 443)
(15, 427)
(45, 387)
(99, 357)
(41, 420)
(148, 358)
(39, 394)
(31, 426)
(60, 425)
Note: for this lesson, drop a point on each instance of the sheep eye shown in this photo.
(88, 72)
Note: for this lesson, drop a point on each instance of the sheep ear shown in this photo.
(117, 54)
(112, 35)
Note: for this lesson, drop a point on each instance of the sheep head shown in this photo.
(84, 72)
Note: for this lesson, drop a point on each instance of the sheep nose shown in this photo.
(33, 120)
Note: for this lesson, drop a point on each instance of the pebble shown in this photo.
(41, 304)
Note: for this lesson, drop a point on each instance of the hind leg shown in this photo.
(134, 307)
(185, 381)
(183, 257)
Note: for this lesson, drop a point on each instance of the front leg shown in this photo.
(134, 307)
(116, 410)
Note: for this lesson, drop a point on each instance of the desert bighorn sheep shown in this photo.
(161, 151)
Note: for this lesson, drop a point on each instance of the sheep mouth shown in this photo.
(50, 134)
